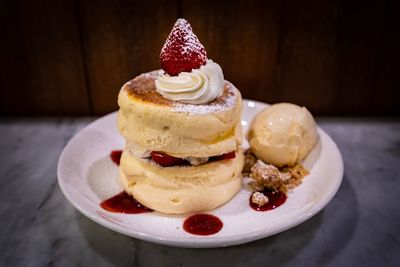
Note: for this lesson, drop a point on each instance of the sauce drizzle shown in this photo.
(124, 203)
(275, 199)
(202, 224)
(115, 156)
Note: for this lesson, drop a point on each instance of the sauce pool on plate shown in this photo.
(275, 199)
(115, 156)
(202, 224)
(124, 203)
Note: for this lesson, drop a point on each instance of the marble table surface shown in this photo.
(360, 227)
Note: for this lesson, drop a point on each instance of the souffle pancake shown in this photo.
(182, 130)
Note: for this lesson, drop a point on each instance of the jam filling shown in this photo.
(166, 160)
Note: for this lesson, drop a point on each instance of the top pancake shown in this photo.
(143, 88)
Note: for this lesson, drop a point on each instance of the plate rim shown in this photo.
(196, 241)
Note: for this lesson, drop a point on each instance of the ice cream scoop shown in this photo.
(283, 134)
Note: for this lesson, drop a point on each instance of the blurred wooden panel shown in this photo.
(358, 37)
(385, 93)
(328, 54)
(41, 68)
(307, 53)
(243, 37)
(71, 57)
(121, 40)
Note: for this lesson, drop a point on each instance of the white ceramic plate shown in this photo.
(87, 176)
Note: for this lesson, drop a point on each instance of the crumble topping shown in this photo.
(249, 160)
(268, 175)
(259, 199)
(263, 175)
(297, 173)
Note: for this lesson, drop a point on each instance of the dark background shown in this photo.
(71, 57)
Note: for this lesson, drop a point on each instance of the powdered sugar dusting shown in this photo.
(153, 74)
(221, 104)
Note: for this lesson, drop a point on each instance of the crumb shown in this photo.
(249, 160)
(259, 199)
(268, 175)
(297, 173)
(255, 185)
(263, 175)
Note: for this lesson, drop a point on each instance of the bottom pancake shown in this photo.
(181, 189)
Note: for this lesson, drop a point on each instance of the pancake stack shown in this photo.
(179, 157)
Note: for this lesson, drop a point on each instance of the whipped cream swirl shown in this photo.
(199, 86)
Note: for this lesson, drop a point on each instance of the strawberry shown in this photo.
(230, 155)
(182, 50)
(167, 160)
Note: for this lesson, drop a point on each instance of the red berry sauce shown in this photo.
(166, 160)
(202, 224)
(124, 203)
(230, 155)
(275, 199)
(115, 156)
